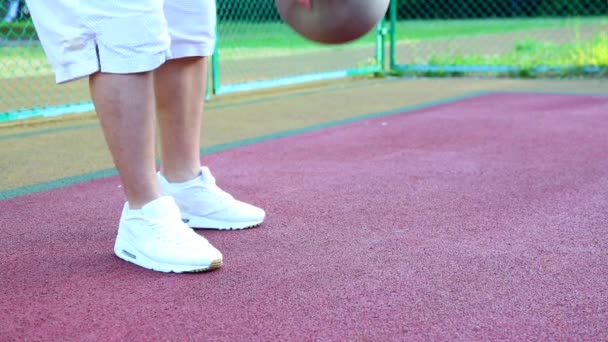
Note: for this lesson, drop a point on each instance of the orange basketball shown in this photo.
(332, 21)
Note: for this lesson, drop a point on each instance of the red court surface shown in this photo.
(481, 219)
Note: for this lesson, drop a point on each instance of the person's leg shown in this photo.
(125, 107)
(180, 86)
(151, 233)
(118, 45)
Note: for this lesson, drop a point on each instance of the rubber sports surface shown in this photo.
(483, 218)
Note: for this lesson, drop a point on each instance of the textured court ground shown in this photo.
(398, 209)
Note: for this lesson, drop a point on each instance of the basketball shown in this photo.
(332, 21)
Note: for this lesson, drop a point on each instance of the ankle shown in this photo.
(138, 202)
(181, 176)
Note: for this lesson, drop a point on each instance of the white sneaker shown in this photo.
(155, 237)
(204, 205)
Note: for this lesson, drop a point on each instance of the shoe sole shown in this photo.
(128, 253)
(205, 223)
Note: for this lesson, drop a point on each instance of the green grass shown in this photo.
(245, 35)
(530, 54)
(239, 35)
(424, 30)
(242, 40)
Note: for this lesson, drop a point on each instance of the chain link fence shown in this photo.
(520, 37)
(26, 80)
(255, 50)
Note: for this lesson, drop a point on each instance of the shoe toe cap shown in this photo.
(197, 252)
(249, 212)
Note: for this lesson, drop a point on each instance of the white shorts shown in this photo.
(121, 36)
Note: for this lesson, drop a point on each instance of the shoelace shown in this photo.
(175, 232)
(208, 184)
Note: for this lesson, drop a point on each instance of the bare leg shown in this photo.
(125, 106)
(180, 87)
(180, 93)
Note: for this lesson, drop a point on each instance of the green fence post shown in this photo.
(380, 45)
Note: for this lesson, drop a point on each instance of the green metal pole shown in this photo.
(393, 30)
(380, 44)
